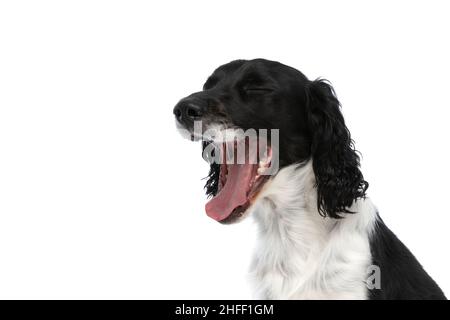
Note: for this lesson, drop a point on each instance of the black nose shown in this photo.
(187, 111)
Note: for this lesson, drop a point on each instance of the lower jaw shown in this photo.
(238, 214)
(241, 212)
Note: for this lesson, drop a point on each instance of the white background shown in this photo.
(101, 198)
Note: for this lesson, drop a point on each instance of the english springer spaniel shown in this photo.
(320, 235)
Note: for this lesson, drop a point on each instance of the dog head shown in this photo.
(266, 96)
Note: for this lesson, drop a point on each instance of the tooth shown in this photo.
(261, 171)
(264, 164)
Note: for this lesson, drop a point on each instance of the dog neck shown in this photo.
(302, 255)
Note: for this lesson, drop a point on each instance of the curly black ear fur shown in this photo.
(212, 180)
(339, 181)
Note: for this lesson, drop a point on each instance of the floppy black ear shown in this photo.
(212, 180)
(339, 181)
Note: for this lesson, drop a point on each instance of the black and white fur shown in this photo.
(319, 232)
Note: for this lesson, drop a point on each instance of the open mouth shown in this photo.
(239, 181)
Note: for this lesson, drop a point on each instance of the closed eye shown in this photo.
(257, 90)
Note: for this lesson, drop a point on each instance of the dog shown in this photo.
(320, 236)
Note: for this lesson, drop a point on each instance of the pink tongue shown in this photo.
(233, 193)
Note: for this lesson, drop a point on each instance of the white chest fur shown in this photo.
(300, 254)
